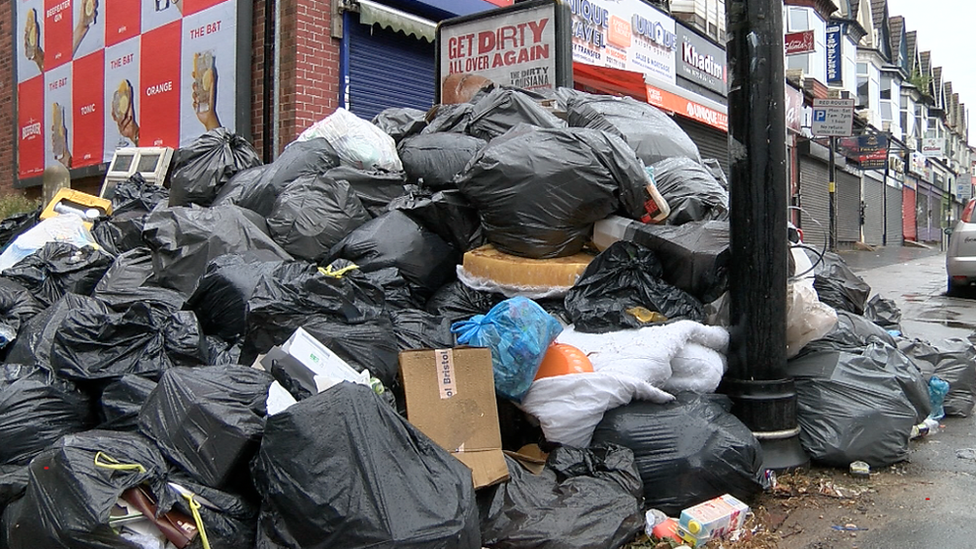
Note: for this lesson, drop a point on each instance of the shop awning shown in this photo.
(371, 13)
(613, 81)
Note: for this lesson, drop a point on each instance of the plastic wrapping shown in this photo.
(93, 345)
(687, 451)
(135, 195)
(202, 168)
(313, 214)
(807, 319)
(653, 135)
(434, 159)
(883, 312)
(17, 306)
(347, 440)
(416, 329)
(504, 108)
(36, 409)
(953, 360)
(858, 405)
(358, 143)
(838, 286)
(691, 191)
(122, 400)
(455, 301)
(396, 240)
(446, 213)
(582, 499)
(622, 288)
(539, 191)
(400, 123)
(64, 229)
(375, 189)
(518, 332)
(220, 300)
(185, 240)
(208, 421)
(60, 268)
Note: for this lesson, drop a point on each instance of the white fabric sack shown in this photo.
(358, 142)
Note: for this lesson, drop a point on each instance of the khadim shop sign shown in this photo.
(95, 75)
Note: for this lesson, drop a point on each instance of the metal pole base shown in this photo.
(768, 408)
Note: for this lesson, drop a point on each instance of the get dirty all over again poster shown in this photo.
(95, 75)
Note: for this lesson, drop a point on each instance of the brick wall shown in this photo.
(8, 166)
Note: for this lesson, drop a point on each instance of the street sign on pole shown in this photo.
(833, 117)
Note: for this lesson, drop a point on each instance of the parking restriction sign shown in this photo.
(833, 117)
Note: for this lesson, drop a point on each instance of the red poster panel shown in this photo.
(123, 20)
(30, 122)
(160, 78)
(58, 34)
(88, 100)
(193, 6)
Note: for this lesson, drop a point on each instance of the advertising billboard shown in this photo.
(95, 75)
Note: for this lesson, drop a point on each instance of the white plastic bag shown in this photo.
(358, 143)
(61, 228)
(807, 319)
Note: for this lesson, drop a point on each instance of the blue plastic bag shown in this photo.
(938, 389)
(518, 332)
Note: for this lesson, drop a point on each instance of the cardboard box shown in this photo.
(450, 397)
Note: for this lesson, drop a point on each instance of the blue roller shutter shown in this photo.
(387, 69)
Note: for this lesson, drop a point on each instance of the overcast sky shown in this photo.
(945, 27)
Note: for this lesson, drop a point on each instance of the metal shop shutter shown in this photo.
(712, 143)
(894, 216)
(388, 69)
(874, 212)
(815, 201)
(848, 207)
(908, 213)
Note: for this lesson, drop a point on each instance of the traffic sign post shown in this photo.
(833, 118)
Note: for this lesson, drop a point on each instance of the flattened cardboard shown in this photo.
(453, 402)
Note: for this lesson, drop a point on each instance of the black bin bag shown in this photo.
(184, 240)
(883, 312)
(121, 402)
(688, 451)
(395, 240)
(244, 182)
(374, 188)
(73, 487)
(540, 191)
(119, 233)
(455, 302)
(345, 312)
(342, 470)
(434, 159)
(17, 306)
(36, 338)
(584, 498)
(60, 268)
(415, 329)
(858, 405)
(202, 168)
(136, 195)
(220, 300)
(838, 286)
(691, 191)
(447, 213)
(208, 420)
(36, 409)
(621, 287)
(400, 123)
(17, 224)
(653, 135)
(313, 214)
(501, 109)
(953, 360)
(128, 282)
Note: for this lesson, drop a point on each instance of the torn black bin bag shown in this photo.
(401, 123)
(185, 240)
(447, 213)
(434, 159)
(540, 191)
(17, 224)
(135, 195)
(96, 346)
(374, 188)
(838, 286)
(344, 311)
(220, 300)
(347, 440)
(299, 158)
(456, 302)
(857, 405)
(883, 312)
(584, 498)
(36, 409)
(208, 420)
(73, 487)
(121, 402)
(953, 360)
(200, 169)
(502, 109)
(688, 451)
(313, 214)
(621, 287)
(36, 338)
(395, 240)
(691, 191)
(58, 269)
(415, 329)
(17, 306)
(653, 135)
